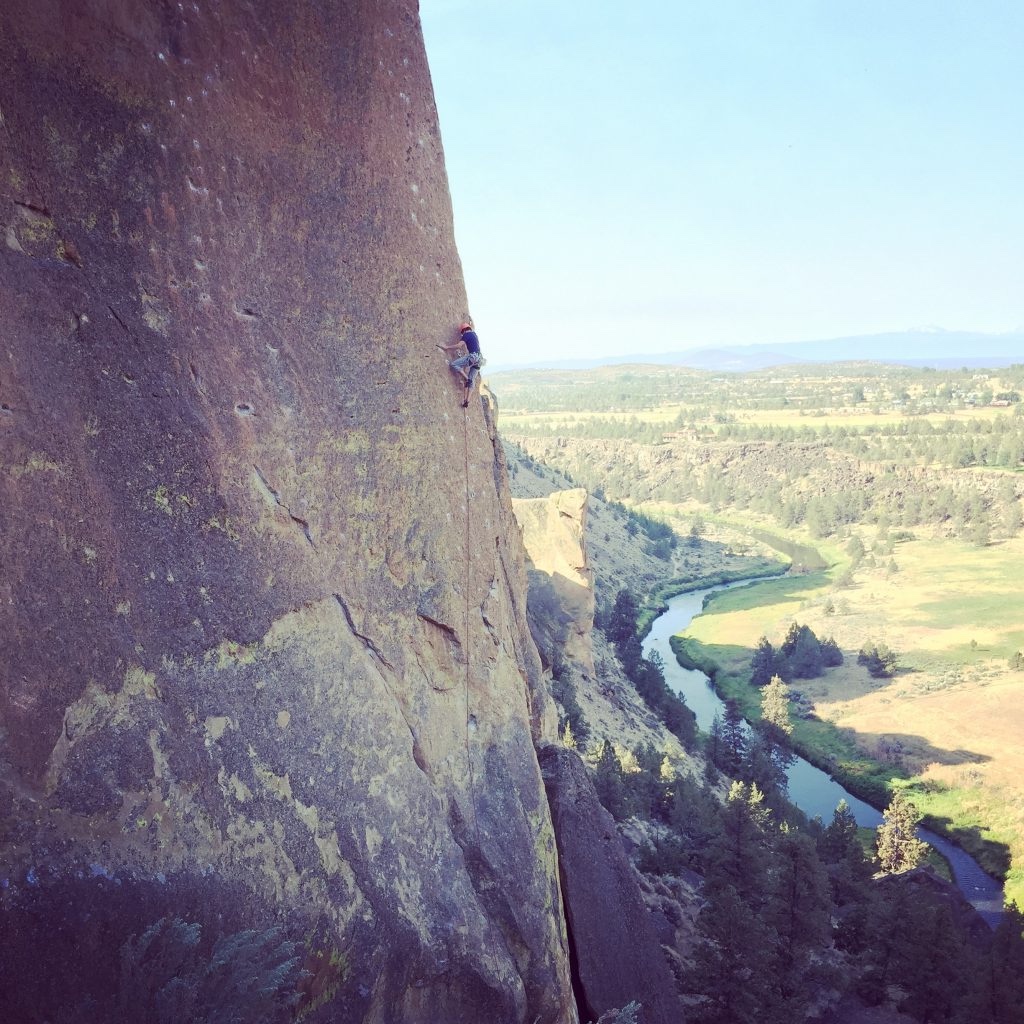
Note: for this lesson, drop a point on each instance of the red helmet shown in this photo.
(463, 327)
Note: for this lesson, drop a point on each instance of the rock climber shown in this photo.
(468, 365)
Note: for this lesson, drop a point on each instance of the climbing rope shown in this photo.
(466, 638)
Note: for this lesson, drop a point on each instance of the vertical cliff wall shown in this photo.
(264, 651)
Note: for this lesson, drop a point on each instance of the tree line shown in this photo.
(794, 910)
(975, 509)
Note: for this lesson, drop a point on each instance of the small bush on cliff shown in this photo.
(167, 978)
(629, 1014)
(570, 713)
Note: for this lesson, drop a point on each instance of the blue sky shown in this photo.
(655, 176)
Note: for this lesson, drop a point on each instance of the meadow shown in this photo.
(947, 726)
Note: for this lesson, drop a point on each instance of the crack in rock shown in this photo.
(367, 642)
(273, 499)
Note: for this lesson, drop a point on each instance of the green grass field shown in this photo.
(948, 725)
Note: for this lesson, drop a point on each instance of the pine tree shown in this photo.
(740, 856)
(733, 740)
(762, 663)
(568, 739)
(730, 961)
(713, 745)
(899, 849)
(799, 911)
(840, 836)
(775, 707)
(610, 783)
(1002, 985)
(622, 621)
(765, 766)
(788, 645)
(841, 849)
(933, 973)
(769, 755)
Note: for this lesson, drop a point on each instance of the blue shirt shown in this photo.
(472, 341)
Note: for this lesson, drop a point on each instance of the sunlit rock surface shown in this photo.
(265, 659)
(561, 582)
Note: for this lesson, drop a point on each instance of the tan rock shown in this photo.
(561, 582)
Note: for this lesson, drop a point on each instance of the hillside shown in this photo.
(617, 554)
(685, 826)
(620, 552)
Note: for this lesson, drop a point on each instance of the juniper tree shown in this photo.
(167, 976)
(831, 655)
(879, 660)
(762, 663)
(805, 658)
(899, 849)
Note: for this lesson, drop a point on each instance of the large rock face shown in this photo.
(264, 651)
(561, 583)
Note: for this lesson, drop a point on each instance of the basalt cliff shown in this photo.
(270, 705)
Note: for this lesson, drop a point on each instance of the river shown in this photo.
(811, 789)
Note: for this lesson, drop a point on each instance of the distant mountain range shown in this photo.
(925, 347)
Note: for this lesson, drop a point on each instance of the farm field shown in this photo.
(666, 415)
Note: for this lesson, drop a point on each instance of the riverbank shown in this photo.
(656, 602)
(814, 739)
(831, 750)
(815, 788)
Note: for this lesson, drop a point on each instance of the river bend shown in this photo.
(811, 789)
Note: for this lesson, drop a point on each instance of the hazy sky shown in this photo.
(652, 175)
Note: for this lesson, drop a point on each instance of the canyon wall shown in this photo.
(264, 660)
(561, 582)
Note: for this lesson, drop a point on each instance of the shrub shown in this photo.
(167, 979)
